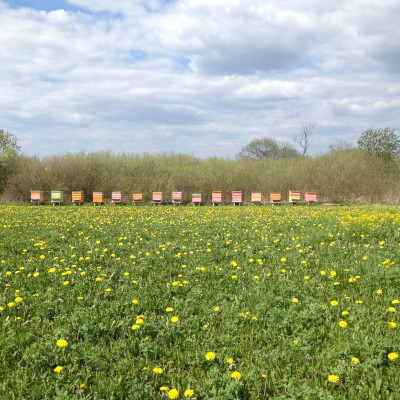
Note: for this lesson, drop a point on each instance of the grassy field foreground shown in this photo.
(199, 302)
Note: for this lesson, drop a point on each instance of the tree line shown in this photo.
(367, 173)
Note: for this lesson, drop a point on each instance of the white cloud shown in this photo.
(202, 75)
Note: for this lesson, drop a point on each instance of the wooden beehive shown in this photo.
(137, 198)
(117, 197)
(57, 197)
(294, 196)
(77, 197)
(216, 197)
(98, 198)
(37, 196)
(256, 197)
(157, 198)
(275, 198)
(196, 198)
(310, 197)
(176, 197)
(237, 197)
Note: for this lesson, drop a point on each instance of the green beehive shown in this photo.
(57, 196)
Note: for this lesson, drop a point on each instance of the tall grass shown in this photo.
(348, 176)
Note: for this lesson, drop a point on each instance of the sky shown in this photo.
(201, 77)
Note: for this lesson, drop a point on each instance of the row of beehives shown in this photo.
(57, 197)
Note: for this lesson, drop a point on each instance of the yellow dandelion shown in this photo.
(58, 369)
(236, 375)
(62, 343)
(158, 371)
(333, 378)
(393, 356)
(210, 356)
(174, 319)
(343, 324)
(173, 394)
(188, 393)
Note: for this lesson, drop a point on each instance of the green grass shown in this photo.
(250, 262)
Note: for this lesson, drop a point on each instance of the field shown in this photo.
(252, 302)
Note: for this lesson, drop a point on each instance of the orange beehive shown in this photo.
(37, 196)
(275, 198)
(98, 198)
(137, 198)
(77, 197)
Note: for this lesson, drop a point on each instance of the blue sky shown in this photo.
(45, 5)
(203, 77)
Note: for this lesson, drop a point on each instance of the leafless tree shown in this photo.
(303, 139)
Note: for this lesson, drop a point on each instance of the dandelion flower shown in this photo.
(236, 375)
(11, 304)
(66, 283)
(58, 369)
(392, 309)
(158, 371)
(210, 356)
(134, 327)
(18, 299)
(174, 320)
(343, 324)
(188, 393)
(379, 291)
(173, 394)
(355, 360)
(163, 388)
(216, 308)
(295, 300)
(334, 303)
(344, 313)
(134, 301)
(230, 360)
(333, 378)
(392, 324)
(62, 343)
(393, 356)
(169, 309)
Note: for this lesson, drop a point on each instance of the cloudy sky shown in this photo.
(202, 77)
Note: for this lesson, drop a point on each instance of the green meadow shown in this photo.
(252, 302)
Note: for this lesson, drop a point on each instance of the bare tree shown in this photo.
(340, 145)
(303, 139)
